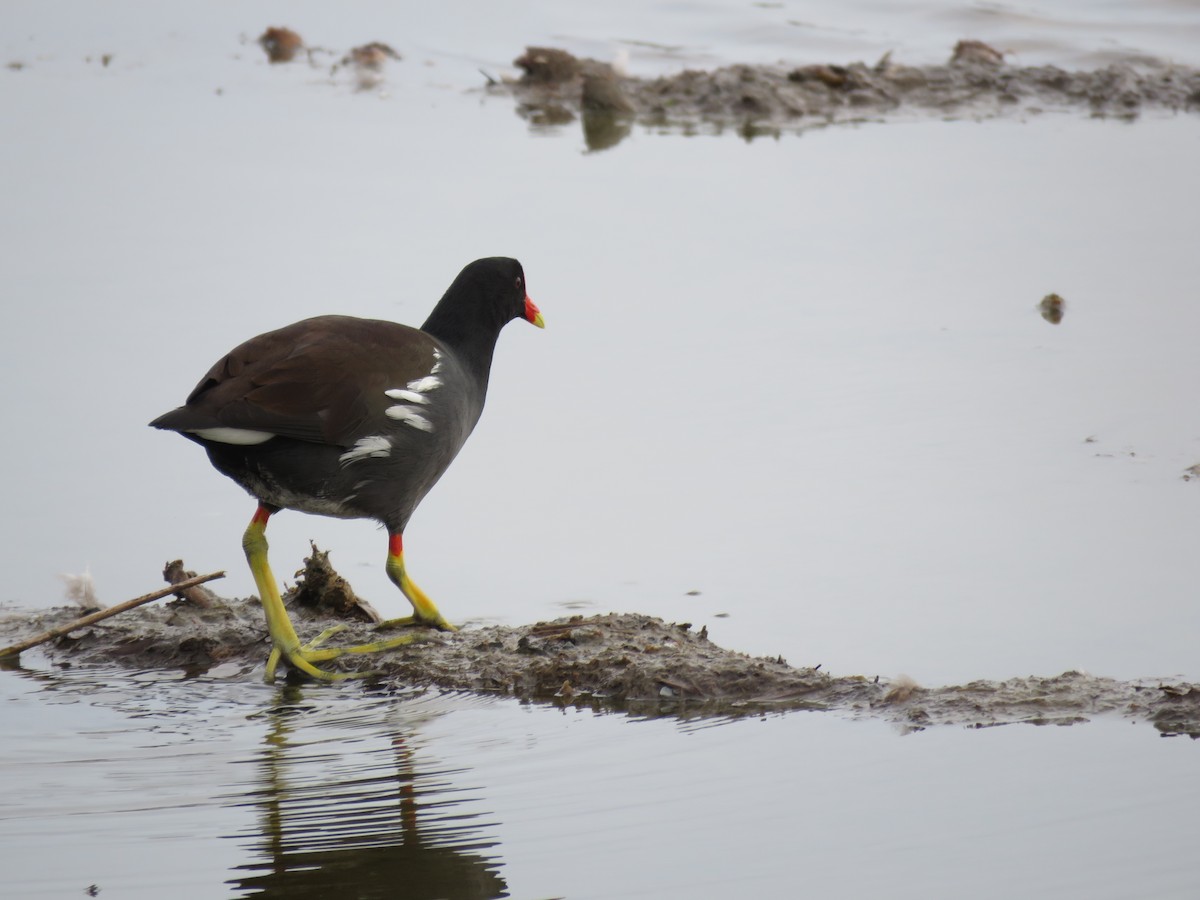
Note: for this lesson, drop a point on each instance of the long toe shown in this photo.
(439, 623)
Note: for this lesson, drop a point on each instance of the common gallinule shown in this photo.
(353, 418)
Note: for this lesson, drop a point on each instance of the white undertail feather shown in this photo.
(238, 436)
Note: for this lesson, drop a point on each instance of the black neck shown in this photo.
(473, 343)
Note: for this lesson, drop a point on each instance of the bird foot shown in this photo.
(303, 656)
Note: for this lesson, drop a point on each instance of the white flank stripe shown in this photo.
(410, 416)
(437, 362)
(410, 396)
(428, 383)
(240, 436)
(376, 446)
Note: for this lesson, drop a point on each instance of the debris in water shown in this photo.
(548, 65)
(555, 87)
(280, 44)
(976, 53)
(602, 94)
(1052, 308)
(367, 63)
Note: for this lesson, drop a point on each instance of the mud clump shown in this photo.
(976, 82)
(320, 589)
(618, 659)
(547, 65)
(628, 662)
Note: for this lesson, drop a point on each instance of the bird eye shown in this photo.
(520, 284)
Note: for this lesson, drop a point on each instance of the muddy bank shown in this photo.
(976, 82)
(627, 662)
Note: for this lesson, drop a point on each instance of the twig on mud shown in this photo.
(53, 633)
(174, 573)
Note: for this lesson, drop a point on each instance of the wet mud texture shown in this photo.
(976, 82)
(621, 662)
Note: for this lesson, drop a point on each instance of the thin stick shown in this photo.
(105, 613)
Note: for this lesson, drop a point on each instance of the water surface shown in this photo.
(803, 377)
(222, 789)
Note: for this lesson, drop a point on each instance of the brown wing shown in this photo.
(318, 380)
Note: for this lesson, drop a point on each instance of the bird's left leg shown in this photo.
(424, 610)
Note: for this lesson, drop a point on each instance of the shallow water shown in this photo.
(223, 789)
(805, 377)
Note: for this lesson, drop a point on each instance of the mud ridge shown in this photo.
(626, 662)
(976, 82)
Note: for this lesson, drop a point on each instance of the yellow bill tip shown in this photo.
(533, 314)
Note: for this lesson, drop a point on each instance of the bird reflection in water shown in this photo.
(379, 824)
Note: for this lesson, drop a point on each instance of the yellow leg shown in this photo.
(285, 644)
(424, 611)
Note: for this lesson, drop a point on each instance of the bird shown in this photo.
(352, 418)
